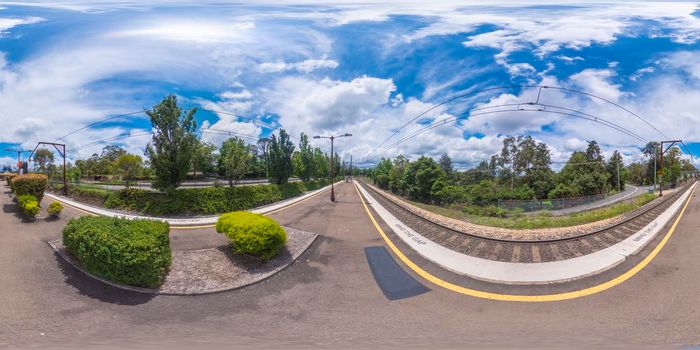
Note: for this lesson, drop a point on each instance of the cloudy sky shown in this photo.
(362, 68)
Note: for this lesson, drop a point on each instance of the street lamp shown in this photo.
(332, 155)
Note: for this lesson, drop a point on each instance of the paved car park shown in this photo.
(330, 298)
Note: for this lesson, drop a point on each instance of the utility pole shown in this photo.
(19, 157)
(618, 176)
(332, 160)
(62, 153)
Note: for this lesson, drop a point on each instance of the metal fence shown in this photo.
(146, 185)
(548, 204)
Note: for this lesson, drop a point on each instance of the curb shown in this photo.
(528, 273)
(417, 211)
(70, 260)
(185, 222)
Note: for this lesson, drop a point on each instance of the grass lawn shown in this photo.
(543, 220)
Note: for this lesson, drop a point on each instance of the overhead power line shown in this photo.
(475, 92)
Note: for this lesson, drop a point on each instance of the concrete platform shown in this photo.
(527, 273)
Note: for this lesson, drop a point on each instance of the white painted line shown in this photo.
(527, 273)
(202, 220)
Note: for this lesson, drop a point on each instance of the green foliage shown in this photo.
(173, 145)
(129, 166)
(33, 184)
(381, 174)
(234, 159)
(42, 159)
(563, 191)
(206, 201)
(419, 177)
(54, 209)
(252, 234)
(203, 159)
(280, 158)
(133, 252)
(28, 204)
(306, 158)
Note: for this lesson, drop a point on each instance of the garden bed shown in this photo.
(213, 270)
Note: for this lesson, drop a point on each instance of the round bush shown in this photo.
(133, 252)
(29, 205)
(252, 234)
(34, 184)
(54, 208)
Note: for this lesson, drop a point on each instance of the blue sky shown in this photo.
(362, 68)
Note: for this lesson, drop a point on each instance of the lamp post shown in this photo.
(332, 160)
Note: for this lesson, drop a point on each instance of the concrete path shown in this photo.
(329, 298)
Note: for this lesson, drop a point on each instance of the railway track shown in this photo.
(525, 251)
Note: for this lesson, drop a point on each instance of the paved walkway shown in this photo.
(329, 298)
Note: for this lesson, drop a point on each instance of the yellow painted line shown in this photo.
(526, 298)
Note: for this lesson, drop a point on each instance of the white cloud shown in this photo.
(198, 31)
(598, 82)
(327, 104)
(305, 66)
(8, 23)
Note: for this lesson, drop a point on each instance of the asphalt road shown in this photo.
(329, 298)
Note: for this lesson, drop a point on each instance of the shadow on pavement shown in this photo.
(94, 289)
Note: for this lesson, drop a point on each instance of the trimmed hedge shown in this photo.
(55, 209)
(29, 205)
(34, 184)
(206, 201)
(252, 234)
(133, 252)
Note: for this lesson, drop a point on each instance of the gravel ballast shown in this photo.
(510, 234)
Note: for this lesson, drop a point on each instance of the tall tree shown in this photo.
(306, 154)
(280, 157)
(506, 160)
(321, 163)
(173, 144)
(446, 164)
(203, 159)
(129, 166)
(42, 159)
(616, 170)
(234, 159)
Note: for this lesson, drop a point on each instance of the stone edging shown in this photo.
(528, 273)
(491, 232)
(57, 246)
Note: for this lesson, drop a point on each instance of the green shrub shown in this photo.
(54, 209)
(252, 233)
(34, 184)
(29, 205)
(133, 252)
(206, 201)
(98, 194)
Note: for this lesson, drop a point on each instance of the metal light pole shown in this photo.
(332, 160)
(661, 160)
